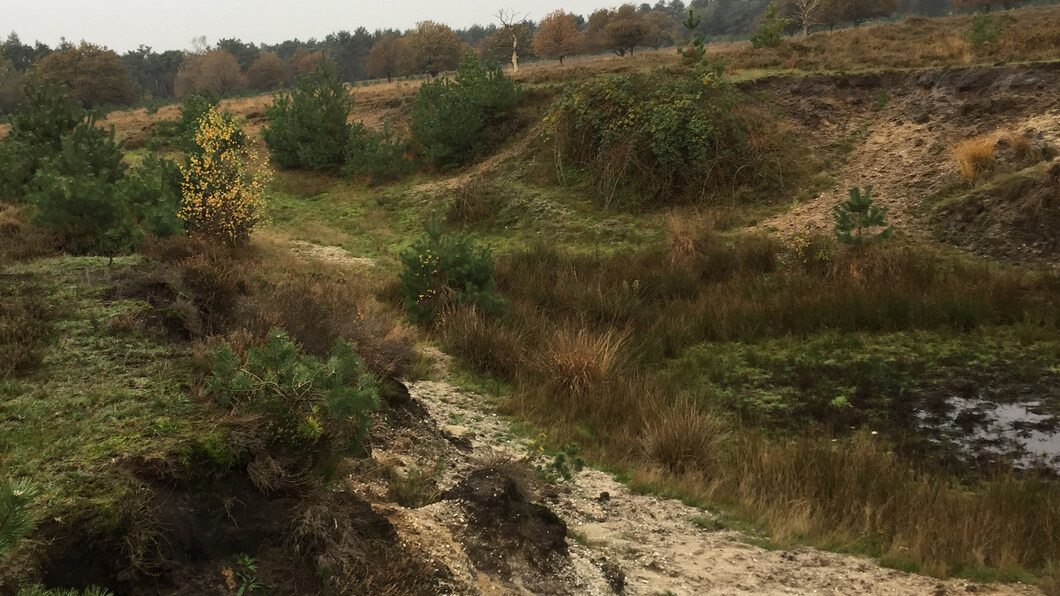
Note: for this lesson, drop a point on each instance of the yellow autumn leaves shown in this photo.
(224, 181)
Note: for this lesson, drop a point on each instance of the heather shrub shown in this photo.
(453, 122)
(443, 269)
(308, 126)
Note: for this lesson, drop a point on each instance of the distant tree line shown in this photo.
(97, 76)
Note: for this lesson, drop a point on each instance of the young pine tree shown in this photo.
(693, 50)
(771, 33)
(857, 219)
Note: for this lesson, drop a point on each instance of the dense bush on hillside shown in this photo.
(442, 270)
(454, 121)
(308, 126)
(72, 174)
(659, 137)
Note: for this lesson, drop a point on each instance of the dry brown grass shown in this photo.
(975, 156)
(682, 436)
(263, 286)
(916, 42)
(20, 240)
(482, 342)
(577, 362)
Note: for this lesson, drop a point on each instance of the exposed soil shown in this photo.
(895, 130)
(493, 540)
(1015, 219)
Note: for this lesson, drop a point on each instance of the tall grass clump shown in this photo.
(975, 156)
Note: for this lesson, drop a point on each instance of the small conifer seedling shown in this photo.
(857, 219)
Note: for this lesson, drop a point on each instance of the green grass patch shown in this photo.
(102, 396)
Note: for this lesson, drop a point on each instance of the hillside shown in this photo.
(681, 382)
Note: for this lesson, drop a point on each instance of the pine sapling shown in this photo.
(693, 49)
(856, 219)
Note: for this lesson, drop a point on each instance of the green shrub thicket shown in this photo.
(443, 269)
(306, 401)
(308, 126)
(380, 155)
(70, 172)
(453, 122)
(654, 136)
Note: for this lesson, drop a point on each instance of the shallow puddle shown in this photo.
(1023, 433)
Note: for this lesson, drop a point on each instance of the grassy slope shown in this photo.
(105, 392)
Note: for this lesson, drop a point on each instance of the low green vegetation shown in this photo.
(455, 121)
(308, 126)
(785, 381)
(443, 270)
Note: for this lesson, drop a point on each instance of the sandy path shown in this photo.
(654, 543)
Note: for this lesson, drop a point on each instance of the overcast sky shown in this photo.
(170, 25)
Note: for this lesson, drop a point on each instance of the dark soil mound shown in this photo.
(507, 534)
(1015, 220)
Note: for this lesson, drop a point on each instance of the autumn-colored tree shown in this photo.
(216, 71)
(663, 29)
(390, 57)
(626, 29)
(435, 48)
(596, 39)
(302, 63)
(266, 73)
(95, 75)
(557, 37)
